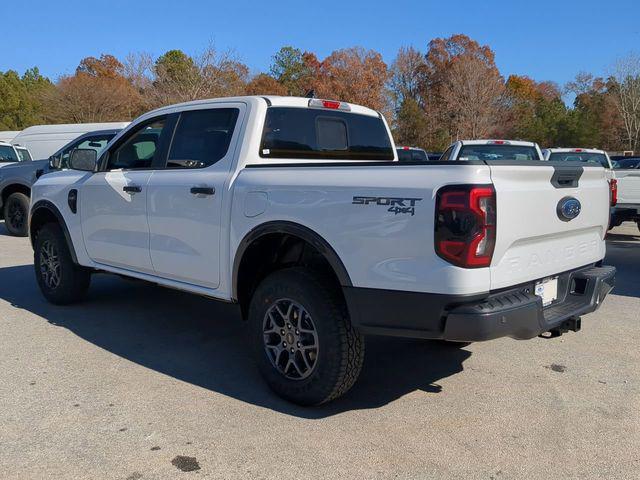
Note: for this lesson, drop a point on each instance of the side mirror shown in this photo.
(83, 159)
(54, 162)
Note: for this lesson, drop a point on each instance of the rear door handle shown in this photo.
(132, 188)
(203, 190)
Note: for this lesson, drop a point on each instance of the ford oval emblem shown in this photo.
(568, 208)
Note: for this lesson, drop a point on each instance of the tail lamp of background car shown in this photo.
(613, 185)
(465, 228)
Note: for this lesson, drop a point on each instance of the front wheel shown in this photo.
(302, 338)
(16, 213)
(61, 281)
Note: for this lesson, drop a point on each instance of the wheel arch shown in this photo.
(278, 232)
(43, 212)
(15, 187)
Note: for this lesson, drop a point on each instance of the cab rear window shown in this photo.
(595, 158)
(412, 155)
(309, 133)
(498, 152)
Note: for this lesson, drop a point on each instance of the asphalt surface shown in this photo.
(141, 382)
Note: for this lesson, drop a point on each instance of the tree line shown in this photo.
(453, 89)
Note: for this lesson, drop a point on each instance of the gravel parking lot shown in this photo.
(141, 382)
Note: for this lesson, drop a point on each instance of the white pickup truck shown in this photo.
(627, 209)
(298, 210)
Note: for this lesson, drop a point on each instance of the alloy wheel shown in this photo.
(290, 339)
(50, 264)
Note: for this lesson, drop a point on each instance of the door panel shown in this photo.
(114, 222)
(185, 227)
(185, 200)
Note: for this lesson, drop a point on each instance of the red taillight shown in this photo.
(330, 104)
(577, 150)
(613, 186)
(405, 148)
(465, 228)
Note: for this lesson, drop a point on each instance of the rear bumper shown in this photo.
(515, 312)
(624, 213)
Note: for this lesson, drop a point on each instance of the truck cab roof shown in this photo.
(517, 143)
(271, 101)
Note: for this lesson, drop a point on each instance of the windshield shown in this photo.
(412, 155)
(626, 163)
(596, 158)
(8, 154)
(96, 142)
(24, 154)
(498, 152)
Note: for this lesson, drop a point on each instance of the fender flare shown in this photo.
(297, 230)
(41, 205)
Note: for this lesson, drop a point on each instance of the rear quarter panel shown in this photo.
(379, 248)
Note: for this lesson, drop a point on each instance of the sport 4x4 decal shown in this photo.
(396, 205)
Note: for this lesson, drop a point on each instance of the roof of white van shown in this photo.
(7, 135)
(274, 100)
(79, 128)
(517, 143)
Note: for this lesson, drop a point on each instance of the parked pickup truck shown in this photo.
(16, 178)
(10, 154)
(298, 210)
(627, 209)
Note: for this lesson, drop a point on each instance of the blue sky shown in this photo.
(547, 40)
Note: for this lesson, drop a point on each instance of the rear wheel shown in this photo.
(302, 338)
(61, 281)
(16, 214)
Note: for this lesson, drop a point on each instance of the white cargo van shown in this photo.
(45, 140)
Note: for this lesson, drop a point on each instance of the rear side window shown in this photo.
(7, 154)
(323, 134)
(24, 154)
(498, 152)
(595, 158)
(202, 137)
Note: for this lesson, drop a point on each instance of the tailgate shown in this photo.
(628, 186)
(534, 239)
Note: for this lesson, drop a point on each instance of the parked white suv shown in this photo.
(298, 210)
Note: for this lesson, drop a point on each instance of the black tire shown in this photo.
(72, 280)
(16, 214)
(340, 348)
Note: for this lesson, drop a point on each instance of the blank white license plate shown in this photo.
(547, 290)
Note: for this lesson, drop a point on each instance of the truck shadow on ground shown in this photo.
(203, 342)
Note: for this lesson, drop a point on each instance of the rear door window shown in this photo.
(202, 137)
(308, 133)
(23, 154)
